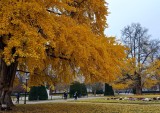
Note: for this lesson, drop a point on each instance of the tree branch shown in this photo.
(51, 11)
(23, 71)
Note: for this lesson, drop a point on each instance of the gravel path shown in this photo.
(55, 100)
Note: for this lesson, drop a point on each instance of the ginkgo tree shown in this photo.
(142, 51)
(52, 39)
(154, 67)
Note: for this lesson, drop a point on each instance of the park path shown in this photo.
(54, 100)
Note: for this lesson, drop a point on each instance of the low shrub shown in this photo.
(38, 93)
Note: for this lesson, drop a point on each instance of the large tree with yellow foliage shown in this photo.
(56, 39)
(141, 53)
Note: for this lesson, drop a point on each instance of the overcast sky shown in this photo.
(125, 12)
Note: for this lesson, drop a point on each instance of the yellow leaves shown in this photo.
(16, 82)
(122, 86)
(52, 87)
(129, 66)
(70, 40)
(26, 88)
(119, 86)
(39, 78)
(61, 5)
(149, 82)
(35, 64)
(154, 67)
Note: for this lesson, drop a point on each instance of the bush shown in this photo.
(151, 92)
(33, 94)
(134, 90)
(80, 88)
(42, 93)
(108, 90)
(83, 90)
(38, 93)
(100, 91)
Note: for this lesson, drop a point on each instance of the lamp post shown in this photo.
(25, 92)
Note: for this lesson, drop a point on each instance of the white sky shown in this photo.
(125, 12)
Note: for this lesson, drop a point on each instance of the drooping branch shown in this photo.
(52, 11)
(79, 3)
(50, 52)
(23, 71)
(2, 45)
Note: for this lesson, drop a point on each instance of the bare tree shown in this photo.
(142, 49)
(93, 87)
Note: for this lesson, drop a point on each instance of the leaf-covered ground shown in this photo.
(85, 107)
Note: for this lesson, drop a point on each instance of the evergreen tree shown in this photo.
(38, 93)
(79, 88)
(83, 90)
(42, 93)
(108, 90)
(33, 95)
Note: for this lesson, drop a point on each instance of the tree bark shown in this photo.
(7, 75)
(95, 92)
(138, 85)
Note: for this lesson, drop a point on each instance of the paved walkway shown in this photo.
(54, 100)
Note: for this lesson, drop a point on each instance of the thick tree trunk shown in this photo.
(138, 90)
(138, 85)
(7, 75)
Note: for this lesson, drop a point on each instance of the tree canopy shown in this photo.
(52, 39)
(139, 71)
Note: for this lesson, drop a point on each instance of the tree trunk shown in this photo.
(138, 85)
(138, 90)
(7, 75)
(94, 92)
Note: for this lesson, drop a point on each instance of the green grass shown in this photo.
(79, 107)
(99, 105)
(105, 100)
(139, 96)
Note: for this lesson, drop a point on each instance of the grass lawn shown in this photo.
(139, 102)
(99, 105)
(86, 108)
